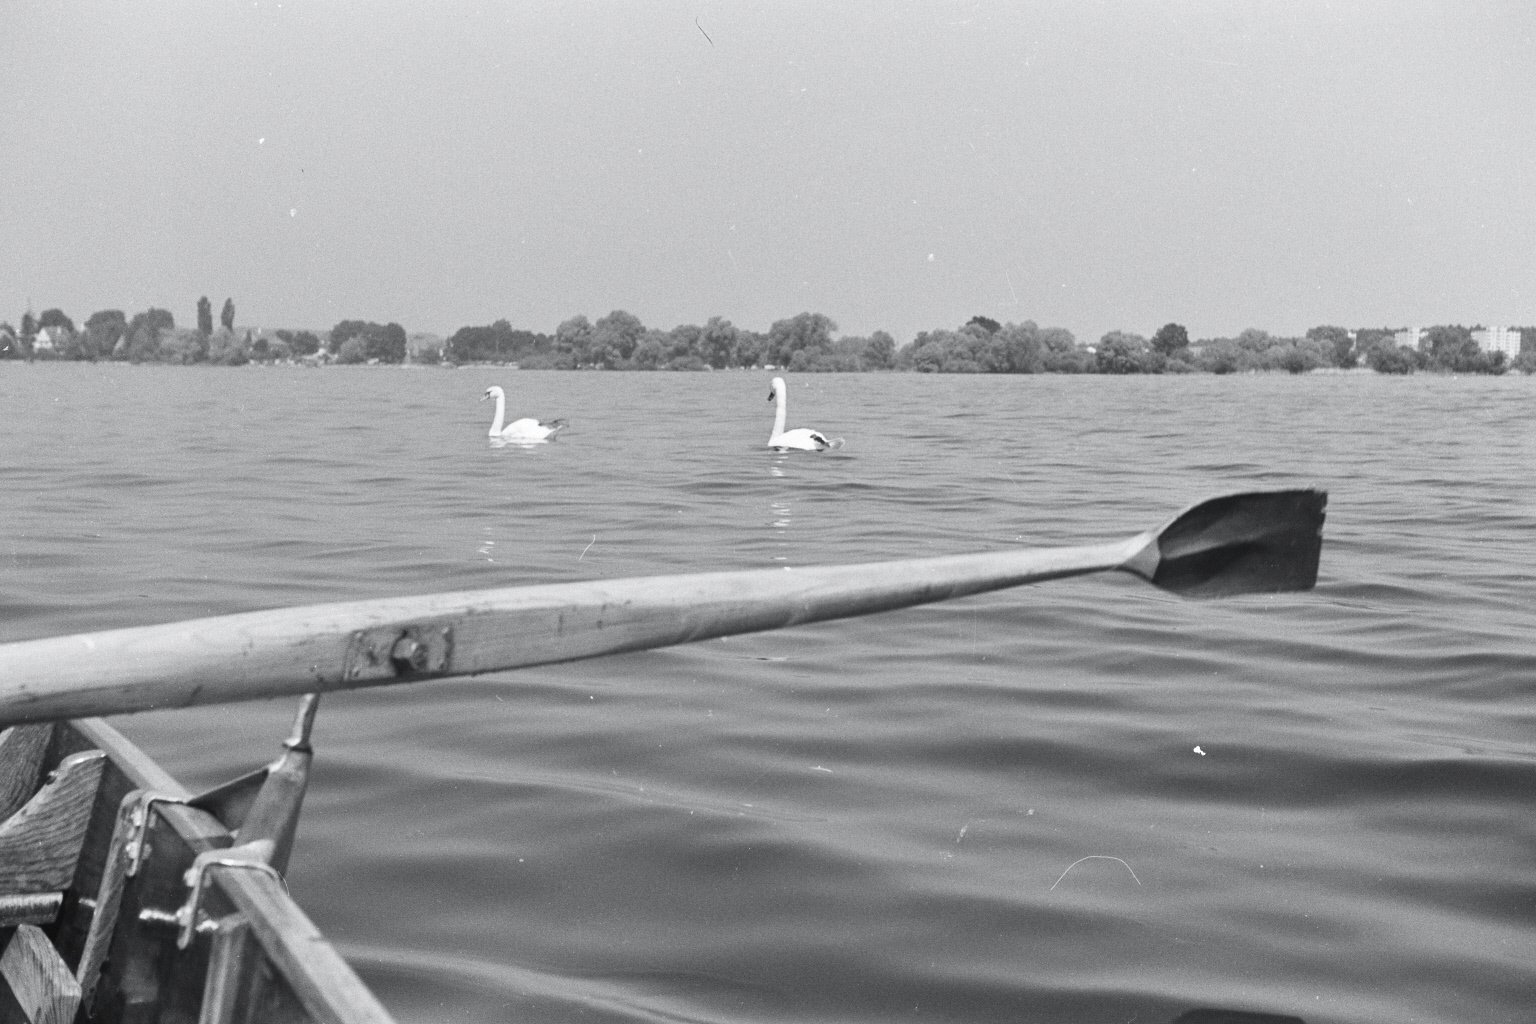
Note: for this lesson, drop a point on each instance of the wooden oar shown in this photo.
(1261, 542)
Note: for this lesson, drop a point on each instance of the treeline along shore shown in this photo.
(804, 343)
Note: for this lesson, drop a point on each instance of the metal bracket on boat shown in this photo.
(390, 651)
(143, 806)
(250, 857)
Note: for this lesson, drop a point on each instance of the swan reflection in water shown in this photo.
(781, 521)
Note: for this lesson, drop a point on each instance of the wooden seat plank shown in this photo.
(21, 764)
(40, 843)
(30, 908)
(39, 980)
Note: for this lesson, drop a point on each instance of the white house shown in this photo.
(1498, 339)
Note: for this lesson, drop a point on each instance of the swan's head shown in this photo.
(493, 391)
(776, 388)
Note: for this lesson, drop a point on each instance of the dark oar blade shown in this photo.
(1262, 542)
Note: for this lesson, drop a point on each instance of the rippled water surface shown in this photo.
(981, 811)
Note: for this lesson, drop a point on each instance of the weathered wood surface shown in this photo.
(109, 896)
(41, 843)
(21, 764)
(40, 981)
(30, 908)
(343, 646)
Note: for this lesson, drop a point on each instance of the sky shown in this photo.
(894, 166)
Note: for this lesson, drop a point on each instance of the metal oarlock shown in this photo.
(143, 807)
(251, 857)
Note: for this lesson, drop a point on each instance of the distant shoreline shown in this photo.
(1326, 371)
(804, 343)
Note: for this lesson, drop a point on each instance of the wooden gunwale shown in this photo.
(296, 975)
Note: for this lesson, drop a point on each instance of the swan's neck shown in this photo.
(501, 414)
(778, 412)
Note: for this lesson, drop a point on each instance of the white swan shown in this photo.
(525, 429)
(801, 438)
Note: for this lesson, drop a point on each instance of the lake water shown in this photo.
(981, 811)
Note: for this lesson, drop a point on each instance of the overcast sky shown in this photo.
(897, 167)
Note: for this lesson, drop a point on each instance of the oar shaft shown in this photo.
(376, 643)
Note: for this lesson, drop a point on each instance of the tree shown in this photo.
(1012, 348)
(573, 340)
(1219, 356)
(678, 348)
(1062, 352)
(718, 343)
(946, 351)
(1452, 348)
(385, 343)
(108, 322)
(228, 349)
(847, 355)
(144, 332)
(924, 353)
(1016, 348)
(227, 316)
(1254, 340)
(1337, 345)
(300, 343)
(879, 352)
(651, 353)
(808, 333)
(1120, 352)
(683, 347)
(986, 323)
(498, 343)
(344, 330)
(1299, 357)
(55, 318)
(106, 330)
(184, 346)
(143, 346)
(750, 346)
(204, 316)
(1396, 359)
(1172, 340)
(353, 350)
(1367, 338)
(614, 338)
(101, 334)
(467, 344)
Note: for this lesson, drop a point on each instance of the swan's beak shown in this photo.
(485, 396)
(770, 394)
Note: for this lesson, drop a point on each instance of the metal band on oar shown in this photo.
(1258, 542)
